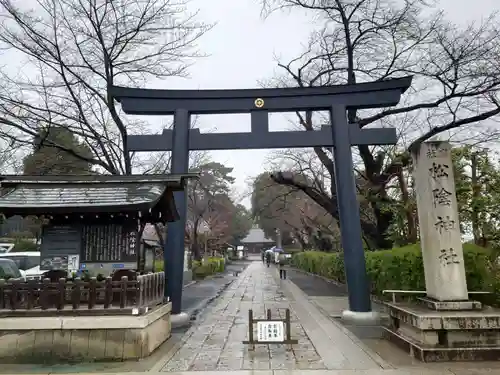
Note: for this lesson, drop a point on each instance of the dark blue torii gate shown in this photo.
(259, 103)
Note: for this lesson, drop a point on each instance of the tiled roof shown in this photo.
(256, 235)
(79, 196)
(74, 194)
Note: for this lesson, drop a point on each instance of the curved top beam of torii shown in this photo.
(375, 94)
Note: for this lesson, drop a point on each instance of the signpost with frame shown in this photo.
(270, 331)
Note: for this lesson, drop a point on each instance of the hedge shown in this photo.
(401, 268)
(21, 246)
(212, 266)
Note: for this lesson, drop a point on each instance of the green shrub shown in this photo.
(159, 266)
(211, 266)
(292, 249)
(21, 246)
(400, 268)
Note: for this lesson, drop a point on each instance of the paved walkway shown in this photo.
(196, 296)
(301, 372)
(215, 342)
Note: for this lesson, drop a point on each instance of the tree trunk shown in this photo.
(383, 220)
(195, 251)
(195, 246)
(411, 235)
(160, 235)
(300, 239)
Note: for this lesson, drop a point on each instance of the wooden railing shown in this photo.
(151, 289)
(92, 297)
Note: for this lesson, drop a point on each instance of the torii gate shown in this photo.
(259, 103)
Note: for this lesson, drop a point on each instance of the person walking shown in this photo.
(282, 263)
(268, 258)
(263, 255)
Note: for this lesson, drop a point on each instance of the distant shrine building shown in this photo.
(256, 240)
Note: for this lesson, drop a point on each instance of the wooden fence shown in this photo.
(92, 297)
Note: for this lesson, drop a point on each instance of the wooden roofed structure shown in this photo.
(97, 219)
(256, 240)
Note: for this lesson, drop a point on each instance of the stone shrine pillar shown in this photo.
(428, 329)
(440, 235)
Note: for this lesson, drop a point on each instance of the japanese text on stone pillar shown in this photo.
(439, 173)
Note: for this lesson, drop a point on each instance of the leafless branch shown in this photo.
(73, 51)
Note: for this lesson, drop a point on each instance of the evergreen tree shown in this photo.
(46, 159)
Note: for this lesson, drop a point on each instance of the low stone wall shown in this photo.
(73, 339)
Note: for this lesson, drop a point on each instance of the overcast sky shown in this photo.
(242, 50)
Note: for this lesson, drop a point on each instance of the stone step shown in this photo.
(428, 353)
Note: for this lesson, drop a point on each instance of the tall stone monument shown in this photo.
(440, 235)
(444, 325)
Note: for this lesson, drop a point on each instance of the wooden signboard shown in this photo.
(270, 331)
(58, 243)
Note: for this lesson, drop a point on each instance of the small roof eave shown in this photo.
(256, 236)
(172, 179)
(52, 195)
(265, 241)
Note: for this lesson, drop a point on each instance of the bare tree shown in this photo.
(218, 219)
(73, 51)
(288, 209)
(10, 158)
(206, 196)
(456, 81)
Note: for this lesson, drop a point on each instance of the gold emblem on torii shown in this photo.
(259, 102)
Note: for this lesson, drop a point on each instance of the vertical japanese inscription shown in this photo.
(436, 150)
(438, 222)
(442, 200)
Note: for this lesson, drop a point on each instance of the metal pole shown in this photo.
(173, 254)
(350, 222)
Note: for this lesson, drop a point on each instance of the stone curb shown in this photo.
(158, 366)
(204, 304)
(303, 297)
(210, 277)
(189, 284)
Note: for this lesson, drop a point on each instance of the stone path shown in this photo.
(215, 342)
(411, 371)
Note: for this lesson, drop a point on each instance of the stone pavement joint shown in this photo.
(215, 342)
(406, 371)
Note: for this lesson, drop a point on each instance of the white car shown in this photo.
(27, 262)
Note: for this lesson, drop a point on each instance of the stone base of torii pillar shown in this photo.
(445, 325)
